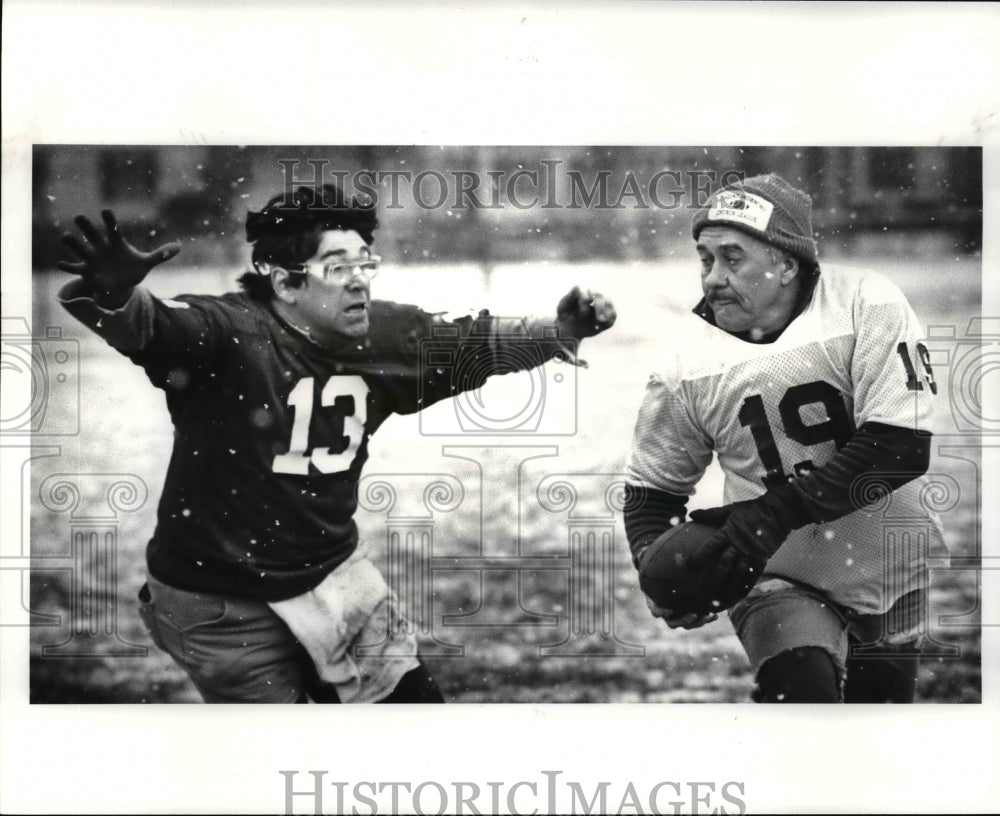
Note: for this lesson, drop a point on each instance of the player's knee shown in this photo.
(803, 675)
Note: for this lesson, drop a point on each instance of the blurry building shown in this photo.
(588, 202)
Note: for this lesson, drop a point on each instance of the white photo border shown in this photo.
(597, 73)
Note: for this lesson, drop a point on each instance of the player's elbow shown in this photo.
(916, 458)
(906, 454)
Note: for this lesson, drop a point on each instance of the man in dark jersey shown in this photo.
(257, 587)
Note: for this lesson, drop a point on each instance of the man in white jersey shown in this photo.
(812, 391)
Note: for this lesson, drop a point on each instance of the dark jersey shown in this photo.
(271, 434)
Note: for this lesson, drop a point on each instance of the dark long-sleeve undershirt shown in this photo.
(878, 458)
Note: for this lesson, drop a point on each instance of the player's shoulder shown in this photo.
(233, 302)
(234, 311)
(694, 349)
(851, 287)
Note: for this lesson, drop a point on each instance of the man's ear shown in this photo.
(789, 269)
(280, 280)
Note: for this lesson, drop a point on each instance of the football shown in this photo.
(666, 578)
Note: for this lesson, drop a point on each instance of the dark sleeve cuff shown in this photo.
(648, 514)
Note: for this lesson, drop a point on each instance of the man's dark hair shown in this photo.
(287, 230)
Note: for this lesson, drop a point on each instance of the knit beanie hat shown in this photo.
(765, 207)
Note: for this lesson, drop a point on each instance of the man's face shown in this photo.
(338, 304)
(750, 285)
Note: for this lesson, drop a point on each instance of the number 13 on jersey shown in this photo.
(348, 393)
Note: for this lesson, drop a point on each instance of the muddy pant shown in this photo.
(804, 648)
(345, 640)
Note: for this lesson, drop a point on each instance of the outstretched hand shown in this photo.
(109, 264)
(583, 313)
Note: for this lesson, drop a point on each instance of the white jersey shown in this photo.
(775, 410)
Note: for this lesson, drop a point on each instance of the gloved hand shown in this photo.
(110, 265)
(692, 620)
(582, 313)
(715, 516)
(750, 532)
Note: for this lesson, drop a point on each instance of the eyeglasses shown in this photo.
(344, 271)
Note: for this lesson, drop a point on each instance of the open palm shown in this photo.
(109, 264)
